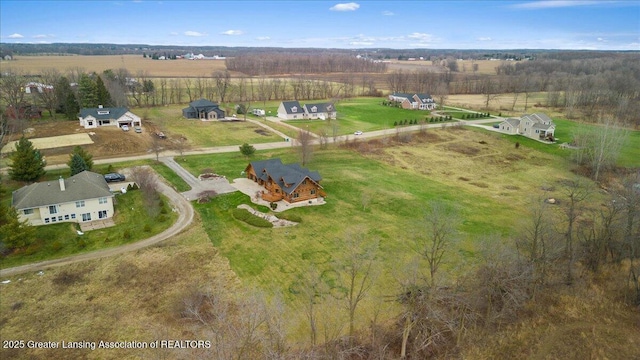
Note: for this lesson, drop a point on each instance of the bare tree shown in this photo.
(48, 97)
(537, 242)
(576, 191)
(222, 81)
(358, 266)
(148, 183)
(436, 232)
(305, 142)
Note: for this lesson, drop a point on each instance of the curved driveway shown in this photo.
(185, 217)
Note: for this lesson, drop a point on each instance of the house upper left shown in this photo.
(81, 198)
(91, 118)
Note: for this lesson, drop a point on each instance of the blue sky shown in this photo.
(556, 24)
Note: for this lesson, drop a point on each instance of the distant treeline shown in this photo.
(273, 64)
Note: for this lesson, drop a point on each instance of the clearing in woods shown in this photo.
(53, 142)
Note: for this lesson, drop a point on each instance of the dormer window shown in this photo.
(314, 109)
(103, 112)
(294, 109)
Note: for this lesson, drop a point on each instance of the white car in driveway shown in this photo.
(125, 128)
(357, 132)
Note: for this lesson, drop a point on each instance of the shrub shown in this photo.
(146, 228)
(249, 218)
(126, 234)
(163, 211)
(81, 243)
(110, 168)
(161, 218)
(273, 205)
(291, 217)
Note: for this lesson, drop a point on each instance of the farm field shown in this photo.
(134, 63)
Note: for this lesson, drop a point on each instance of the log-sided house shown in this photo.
(288, 182)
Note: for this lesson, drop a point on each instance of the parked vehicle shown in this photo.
(125, 128)
(114, 177)
(161, 135)
(357, 133)
(137, 129)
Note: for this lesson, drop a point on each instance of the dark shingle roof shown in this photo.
(320, 108)
(288, 176)
(202, 105)
(113, 113)
(82, 186)
(290, 105)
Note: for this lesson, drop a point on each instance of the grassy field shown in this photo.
(207, 133)
(385, 191)
(364, 114)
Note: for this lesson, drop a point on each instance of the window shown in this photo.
(53, 209)
(46, 220)
(73, 216)
(80, 203)
(86, 217)
(102, 214)
(53, 219)
(60, 218)
(294, 109)
(102, 200)
(304, 182)
(66, 217)
(295, 195)
(313, 191)
(27, 211)
(90, 123)
(103, 112)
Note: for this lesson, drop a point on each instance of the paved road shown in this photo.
(185, 217)
(219, 185)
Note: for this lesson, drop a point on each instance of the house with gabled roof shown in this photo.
(81, 198)
(535, 126)
(91, 118)
(204, 110)
(290, 110)
(413, 101)
(320, 111)
(289, 182)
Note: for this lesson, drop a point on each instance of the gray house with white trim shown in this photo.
(535, 126)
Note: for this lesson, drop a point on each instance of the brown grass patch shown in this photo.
(479, 184)
(461, 148)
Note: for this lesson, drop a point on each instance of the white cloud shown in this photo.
(194, 33)
(345, 7)
(263, 38)
(422, 37)
(173, 33)
(485, 38)
(15, 36)
(601, 39)
(387, 13)
(232, 32)
(361, 43)
(42, 36)
(551, 4)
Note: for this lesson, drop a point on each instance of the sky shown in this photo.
(556, 24)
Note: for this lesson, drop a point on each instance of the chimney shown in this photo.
(99, 106)
(61, 181)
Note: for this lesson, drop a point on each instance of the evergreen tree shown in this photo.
(67, 103)
(86, 157)
(13, 232)
(247, 150)
(104, 98)
(87, 92)
(27, 163)
(77, 164)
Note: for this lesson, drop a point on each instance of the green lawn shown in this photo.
(397, 198)
(59, 240)
(364, 114)
(207, 133)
